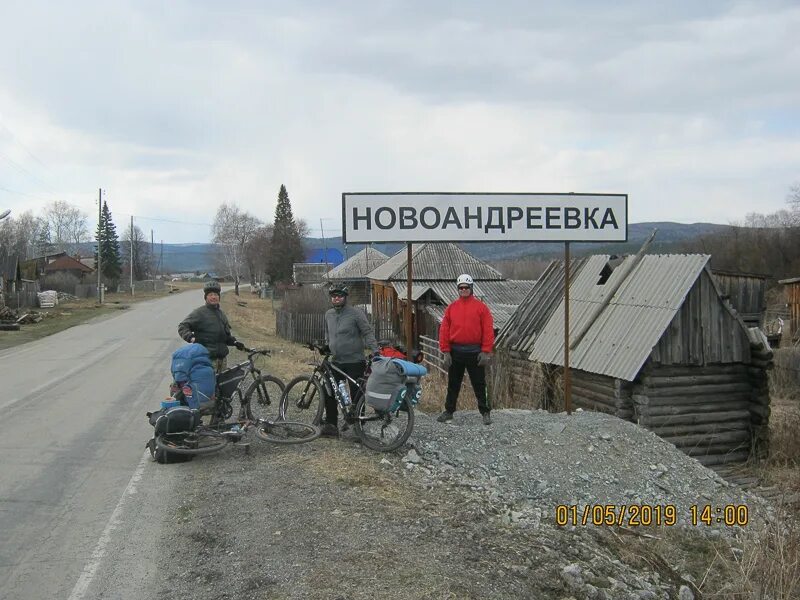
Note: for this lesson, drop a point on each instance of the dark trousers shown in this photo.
(354, 370)
(455, 375)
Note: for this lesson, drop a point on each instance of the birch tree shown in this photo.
(232, 230)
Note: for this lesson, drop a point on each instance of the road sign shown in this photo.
(474, 217)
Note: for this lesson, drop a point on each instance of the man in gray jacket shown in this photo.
(347, 333)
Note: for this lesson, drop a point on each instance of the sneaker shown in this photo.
(329, 430)
(445, 417)
(487, 419)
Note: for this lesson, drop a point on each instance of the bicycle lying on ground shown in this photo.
(254, 391)
(381, 430)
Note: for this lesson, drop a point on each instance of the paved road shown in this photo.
(79, 501)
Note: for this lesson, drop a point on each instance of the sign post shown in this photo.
(474, 217)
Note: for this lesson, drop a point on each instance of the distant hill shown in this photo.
(669, 234)
(179, 258)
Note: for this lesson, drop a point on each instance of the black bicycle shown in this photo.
(255, 392)
(381, 430)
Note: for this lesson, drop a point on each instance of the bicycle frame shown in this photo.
(223, 407)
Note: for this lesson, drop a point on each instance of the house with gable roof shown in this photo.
(353, 272)
(655, 342)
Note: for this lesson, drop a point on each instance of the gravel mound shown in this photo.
(539, 460)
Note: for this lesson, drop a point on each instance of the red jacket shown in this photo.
(467, 321)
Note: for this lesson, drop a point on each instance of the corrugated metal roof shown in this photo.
(535, 309)
(510, 292)
(309, 272)
(621, 338)
(358, 265)
(435, 262)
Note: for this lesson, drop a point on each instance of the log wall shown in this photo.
(601, 393)
(715, 413)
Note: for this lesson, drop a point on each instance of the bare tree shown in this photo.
(142, 254)
(233, 228)
(68, 226)
(18, 235)
(257, 253)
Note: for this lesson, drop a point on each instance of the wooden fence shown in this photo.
(432, 355)
(299, 327)
(21, 299)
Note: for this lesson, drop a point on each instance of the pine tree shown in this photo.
(109, 244)
(287, 242)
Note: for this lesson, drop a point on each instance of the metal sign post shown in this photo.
(567, 375)
(409, 313)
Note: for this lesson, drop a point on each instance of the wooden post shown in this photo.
(409, 324)
(567, 380)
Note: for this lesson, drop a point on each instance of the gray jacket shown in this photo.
(348, 332)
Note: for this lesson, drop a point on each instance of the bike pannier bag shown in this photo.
(178, 419)
(384, 384)
(229, 380)
(165, 457)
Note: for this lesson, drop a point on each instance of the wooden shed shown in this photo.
(793, 304)
(656, 343)
(746, 292)
(353, 273)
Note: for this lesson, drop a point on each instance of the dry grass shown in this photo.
(254, 324)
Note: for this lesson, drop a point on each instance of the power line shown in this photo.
(16, 139)
(170, 221)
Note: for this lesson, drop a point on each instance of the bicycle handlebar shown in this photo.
(253, 351)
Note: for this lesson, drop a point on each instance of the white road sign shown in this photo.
(467, 217)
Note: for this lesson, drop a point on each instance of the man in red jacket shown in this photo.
(466, 338)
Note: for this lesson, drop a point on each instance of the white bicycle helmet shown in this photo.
(464, 279)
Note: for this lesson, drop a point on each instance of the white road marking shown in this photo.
(90, 570)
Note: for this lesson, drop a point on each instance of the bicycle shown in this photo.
(192, 437)
(383, 431)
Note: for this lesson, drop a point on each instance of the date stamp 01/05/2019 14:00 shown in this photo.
(645, 515)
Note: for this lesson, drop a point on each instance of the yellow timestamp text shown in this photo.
(621, 515)
(724, 514)
(645, 515)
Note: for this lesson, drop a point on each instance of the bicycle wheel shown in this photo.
(198, 442)
(302, 401)
(261, 397)
(287, 432)
(381, 430)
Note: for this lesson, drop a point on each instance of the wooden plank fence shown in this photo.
(432, 355)
(21, 299)
(299, 328)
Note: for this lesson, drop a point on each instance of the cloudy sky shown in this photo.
(691, 108)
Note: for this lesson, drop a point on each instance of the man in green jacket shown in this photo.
(209, 326)
(347, 333)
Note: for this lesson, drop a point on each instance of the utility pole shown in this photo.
(152, 256)
(99, 264)
(324, 245)
(131, 240)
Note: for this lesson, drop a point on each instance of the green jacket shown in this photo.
(209, 327)
(348, 332)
